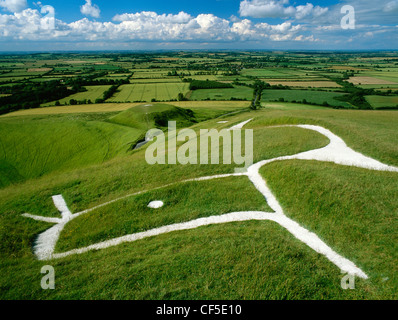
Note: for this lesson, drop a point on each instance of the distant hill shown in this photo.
(149, 116)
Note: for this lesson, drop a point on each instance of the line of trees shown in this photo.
(107, 94)
(32, 95)
(198, 84)
(258, 87)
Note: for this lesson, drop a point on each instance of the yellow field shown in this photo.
(40, 69)
(369, 80)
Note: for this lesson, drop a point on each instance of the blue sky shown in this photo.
(206, 24)
(70, 10)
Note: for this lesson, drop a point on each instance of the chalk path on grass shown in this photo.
(336, 151)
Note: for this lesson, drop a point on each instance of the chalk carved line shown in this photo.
(336, 152)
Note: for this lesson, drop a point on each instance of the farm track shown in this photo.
(168, 92)
(143, 92)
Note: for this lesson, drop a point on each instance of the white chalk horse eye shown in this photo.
(337, 152)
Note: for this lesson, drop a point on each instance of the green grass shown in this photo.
(182, 203)
(372, 133)
(35, 146)
(11, 79)
(145, 81)
(290, 106)
(149, 116)
(378, 102)
(353, 210)
(147, 92)
(250, 260)
(317, 97)
(204, 77)
(242, 93)
(253, 260)
(268, 73)
(393, 87)
(93, 93)
(147, 74)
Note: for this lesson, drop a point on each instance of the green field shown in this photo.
(378, 102)
(92, 93)
(240, 93)
(147, 92)
(317, 97)
(150, 74)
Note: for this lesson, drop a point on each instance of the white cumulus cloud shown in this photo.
(89, 9)
(146, 26)
(13, 5)
(279, 9)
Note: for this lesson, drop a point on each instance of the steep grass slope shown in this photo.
(31, 147)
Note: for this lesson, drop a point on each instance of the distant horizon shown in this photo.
(200, 50)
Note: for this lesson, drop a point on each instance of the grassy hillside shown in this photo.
(351, 209)
(31, 147)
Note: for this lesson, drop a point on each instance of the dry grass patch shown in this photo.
(40, 69)
(368, 80)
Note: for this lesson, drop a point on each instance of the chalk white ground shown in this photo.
(336, 151)
(155, 204)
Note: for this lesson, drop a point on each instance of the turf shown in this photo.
(35, 146)
(378, 102)
(93, 93)
(251, 260)
(353, 210)
(239, 93)
(76, 109)
(183, 202)
(148, 116)
(317, 97)
(148, 91)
